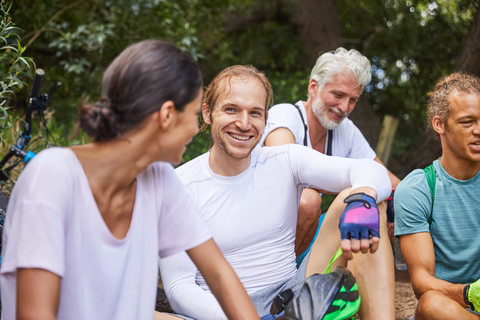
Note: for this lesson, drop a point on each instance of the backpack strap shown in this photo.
(329, 139)
(431, 179)
(329, 133)
(304, 124)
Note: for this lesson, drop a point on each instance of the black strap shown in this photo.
(280, 301)
(329, 139)
(329, 133)
(304, 124)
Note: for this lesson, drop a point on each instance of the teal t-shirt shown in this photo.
(455, 227)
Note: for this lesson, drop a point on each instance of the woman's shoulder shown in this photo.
(51, 162)
(54, 155)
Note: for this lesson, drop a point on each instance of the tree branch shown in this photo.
(42, 29)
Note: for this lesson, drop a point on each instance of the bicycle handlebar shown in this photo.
(38, 103)
(37, 82)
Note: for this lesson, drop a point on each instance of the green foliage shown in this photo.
(12, 64)
(411, 44)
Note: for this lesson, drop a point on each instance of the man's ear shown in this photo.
(206, 113)
(167, 114)
(438, 125)
(266, 116)
(312, 87)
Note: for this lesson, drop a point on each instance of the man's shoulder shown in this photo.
(285, 115)
(285, 105)
(414, 181)
(285, 111)
(193, 169)
(413, 191)
(263, 153)
(280, 154)
(412, 203)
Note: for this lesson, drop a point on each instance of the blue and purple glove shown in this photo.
(360, 219)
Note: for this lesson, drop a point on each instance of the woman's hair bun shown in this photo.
(99, 121)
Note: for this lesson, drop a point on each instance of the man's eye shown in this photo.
(337, 95)
(230, 109)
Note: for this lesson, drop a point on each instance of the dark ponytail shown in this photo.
(136, 84)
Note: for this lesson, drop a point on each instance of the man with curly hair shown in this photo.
(437, 215)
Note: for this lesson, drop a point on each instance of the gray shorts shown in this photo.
(262, 299)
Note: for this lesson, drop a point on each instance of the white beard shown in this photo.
(321, 112)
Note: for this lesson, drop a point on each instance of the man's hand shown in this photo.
(359, 221)
(472, 296)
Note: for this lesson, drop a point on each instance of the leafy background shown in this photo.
(411, 45)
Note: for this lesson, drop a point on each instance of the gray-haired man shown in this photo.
(336, 83)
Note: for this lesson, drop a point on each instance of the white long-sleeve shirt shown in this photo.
(253, 217)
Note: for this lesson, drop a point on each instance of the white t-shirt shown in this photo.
(347, 141)
(253, 217)
(53, 223)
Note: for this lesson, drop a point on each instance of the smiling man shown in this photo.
(248, 197)
(437, 209)
(321, 123)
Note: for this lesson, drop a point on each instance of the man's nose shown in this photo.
(476, 128)
(344, 105)
(243, 121)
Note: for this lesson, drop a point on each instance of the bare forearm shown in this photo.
(231, 295)
(223, 281)
(419, 254)
(425, 282)
(393, 179)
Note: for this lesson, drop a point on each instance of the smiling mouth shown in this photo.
(239, 137)
(337, 115)
(475, 144)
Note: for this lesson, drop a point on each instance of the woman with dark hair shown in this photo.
(86, 224)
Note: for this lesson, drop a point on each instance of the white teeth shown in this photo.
(240, 137)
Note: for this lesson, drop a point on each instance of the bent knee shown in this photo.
(345, 192)
(430, 302)
(310, 203)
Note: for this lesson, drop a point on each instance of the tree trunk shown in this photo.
(320, 30)
(428, 148)
(469, 58)
(366, 120)
(318, 26)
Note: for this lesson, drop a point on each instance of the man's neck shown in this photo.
(225, 165)
(317, 133)
(460, 169)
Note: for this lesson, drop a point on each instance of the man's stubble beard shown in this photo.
(321, 112)
(223, 146)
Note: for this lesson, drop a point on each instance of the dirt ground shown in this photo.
(405, 301)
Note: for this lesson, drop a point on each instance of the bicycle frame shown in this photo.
(38, 103)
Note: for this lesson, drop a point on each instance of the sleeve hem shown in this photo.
(407, 232)
(169, 252)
